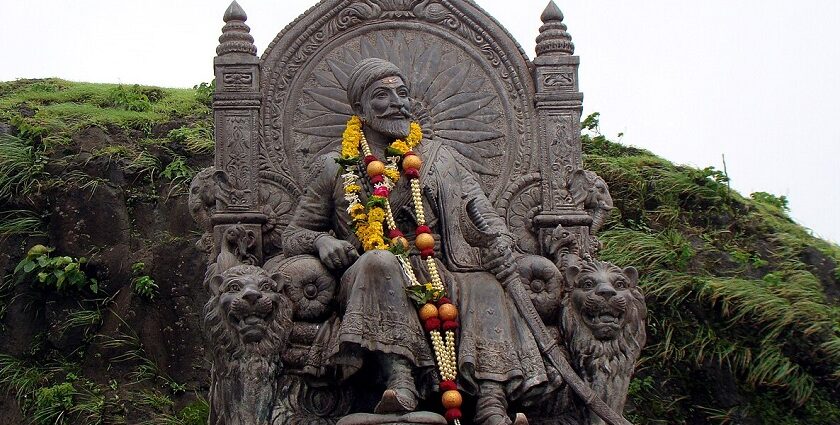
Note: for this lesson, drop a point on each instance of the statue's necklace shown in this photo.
(435, 309)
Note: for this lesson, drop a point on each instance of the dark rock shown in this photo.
(61, 334)
(83, 219)
(163, 129)
(9, 410)
(825, 269)
(25, 111)
(178, 269)
(92, 139)
(110, 169)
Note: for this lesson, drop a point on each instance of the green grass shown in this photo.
(21, 167)
(21, 378)
(52, 110)
(197, 140)
(21, 222)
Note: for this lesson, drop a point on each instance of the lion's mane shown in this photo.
(606, 363)
(243, 379)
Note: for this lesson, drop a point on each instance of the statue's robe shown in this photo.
(375, 313)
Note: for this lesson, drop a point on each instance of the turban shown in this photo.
(367, 72)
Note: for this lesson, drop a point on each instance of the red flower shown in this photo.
(452, 414)
(432, 324)
(443, 300)
(450, 325)
(382, 191)
(377, 179)
(394, 233)
(412, 173)
(428, 252)
(370, 158)
(447, 385)
(423, 229)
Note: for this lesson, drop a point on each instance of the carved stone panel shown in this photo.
(560, 79)
(561, 155)
(235, 156)
(239, 80)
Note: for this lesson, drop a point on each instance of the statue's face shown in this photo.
(249, 302)
(385, 107)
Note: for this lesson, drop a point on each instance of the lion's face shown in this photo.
(601, 293)
(248, 302)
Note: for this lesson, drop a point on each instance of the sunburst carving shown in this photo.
(450, 100)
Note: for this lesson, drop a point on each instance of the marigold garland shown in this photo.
(438, 314)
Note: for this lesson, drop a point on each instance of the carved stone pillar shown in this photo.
(559, 104)
(236, 108)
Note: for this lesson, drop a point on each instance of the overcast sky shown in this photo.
(756, 81)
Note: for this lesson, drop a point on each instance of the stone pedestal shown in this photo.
(413, 418)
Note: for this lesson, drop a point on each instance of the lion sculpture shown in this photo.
(603, 324)
(248, 319)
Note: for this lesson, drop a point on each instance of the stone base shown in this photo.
(413, 418)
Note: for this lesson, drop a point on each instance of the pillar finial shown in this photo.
(236, 35)
(553, 39)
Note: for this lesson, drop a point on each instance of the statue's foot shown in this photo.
(396, 401)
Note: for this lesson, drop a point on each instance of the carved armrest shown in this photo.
(308, 284)
(544, 284)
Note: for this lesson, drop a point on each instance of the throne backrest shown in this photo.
(473, 88)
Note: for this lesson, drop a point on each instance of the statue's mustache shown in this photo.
(402, 112)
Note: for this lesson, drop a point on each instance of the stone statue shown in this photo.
(399, 228)
(377, 314)
(603, 323)
(248, 321)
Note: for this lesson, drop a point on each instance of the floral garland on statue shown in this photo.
(437, 312)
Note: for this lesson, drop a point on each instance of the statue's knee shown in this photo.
(379, 261)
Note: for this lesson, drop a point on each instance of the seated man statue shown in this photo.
(359, 203)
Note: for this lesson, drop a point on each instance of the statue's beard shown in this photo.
(394, 128)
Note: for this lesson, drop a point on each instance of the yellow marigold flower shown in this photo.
(400, 147)
(349, 149)
(415, 135)
(352, 188)
(357, 208)
(429, 286)
(392, 174)
(351, 138)
(376, 214)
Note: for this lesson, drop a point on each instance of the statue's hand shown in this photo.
(335, 253)
(498, 259)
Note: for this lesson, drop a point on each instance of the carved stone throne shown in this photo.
(514, 122)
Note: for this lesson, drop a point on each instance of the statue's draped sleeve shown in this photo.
(456, 185)
(314, 215)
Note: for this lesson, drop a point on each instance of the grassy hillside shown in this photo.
(744, 318)
(102, 325)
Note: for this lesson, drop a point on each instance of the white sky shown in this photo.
(756, 81)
